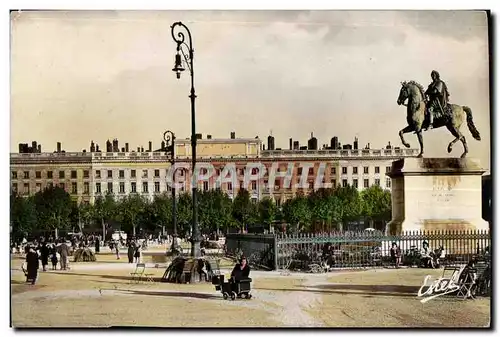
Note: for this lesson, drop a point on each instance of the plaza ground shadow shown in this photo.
(113, 277)
(172, 294)
(354, 289)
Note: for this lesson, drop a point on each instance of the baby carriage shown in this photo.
(233, 288)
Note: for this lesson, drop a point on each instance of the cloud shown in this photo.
(334, 73)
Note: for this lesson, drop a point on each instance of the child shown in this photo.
(54, 258)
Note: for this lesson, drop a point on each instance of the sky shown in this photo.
(98, 75)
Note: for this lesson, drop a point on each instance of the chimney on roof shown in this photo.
(39, 148)
(150, 146)
(290, 143)
(233, 135)
(209, 136)
(58, 147)
(126, 147)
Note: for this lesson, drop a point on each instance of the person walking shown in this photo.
(64, 254)
(137, 253)
(97, 245)
(117, 250)
(32, 265)
(44, 255)
(131, 252)
(53, 257)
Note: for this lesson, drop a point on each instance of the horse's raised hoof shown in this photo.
(420, 155)
(463, 155)
(407, 145)
(449, 149)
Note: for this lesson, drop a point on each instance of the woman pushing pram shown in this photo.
(239, 283)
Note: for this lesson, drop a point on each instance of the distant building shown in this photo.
(87, 175)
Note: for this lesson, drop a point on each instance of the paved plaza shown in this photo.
(100, 294)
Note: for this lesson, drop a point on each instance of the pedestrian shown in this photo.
(63, 250)
(32, 265)
(54, 258)
(44, 255)
(396, 254)
(117, 250)
(97, 245)
(137, 254)
(130, 252)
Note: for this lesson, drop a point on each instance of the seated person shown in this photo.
(425, 254)
(241, 270)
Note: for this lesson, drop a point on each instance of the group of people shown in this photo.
(133, 252)
(36, 253)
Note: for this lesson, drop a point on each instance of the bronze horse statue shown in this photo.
(418, 118)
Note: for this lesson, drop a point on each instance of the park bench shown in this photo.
(185, 276)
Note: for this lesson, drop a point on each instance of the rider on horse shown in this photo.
(437, 94)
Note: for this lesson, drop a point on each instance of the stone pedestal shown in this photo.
(436, 194)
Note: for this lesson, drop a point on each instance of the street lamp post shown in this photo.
(179, 38)
(169, 138)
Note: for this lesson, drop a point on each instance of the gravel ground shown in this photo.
(373, 298)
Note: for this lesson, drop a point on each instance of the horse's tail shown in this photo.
(470, 123)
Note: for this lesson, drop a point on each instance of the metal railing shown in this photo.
(361, 249)
(354, 249)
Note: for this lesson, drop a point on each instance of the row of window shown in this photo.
(73, 174)
(145, 186)
(133, 173)
(365, 170)
(50, 174)
(38, 187)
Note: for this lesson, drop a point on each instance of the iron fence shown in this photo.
(259, 249)
(361, 249)
(353, 249)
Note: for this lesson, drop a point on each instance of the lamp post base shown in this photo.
(196, 248)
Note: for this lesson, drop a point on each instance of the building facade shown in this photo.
(87, 175)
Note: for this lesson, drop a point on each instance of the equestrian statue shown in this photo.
(431, 110)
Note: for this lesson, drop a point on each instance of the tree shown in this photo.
(244, 211)
(376, 204)
(161, 211)
(321, 205)
(86, 214)
(53, 206)
(184, 212)
(105, 209)
(214, 210)
(267, 211)
(347, 205)
(23, 216)
(130, 210)
(297, 212)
